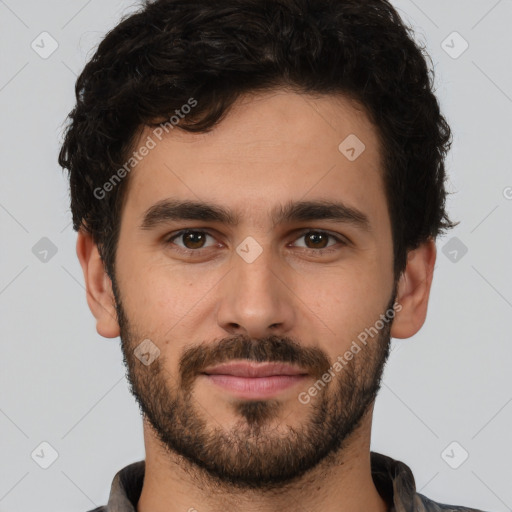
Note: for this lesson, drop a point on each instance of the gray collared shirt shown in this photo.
(393, 479)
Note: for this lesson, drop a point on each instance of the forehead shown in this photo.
(269, 149)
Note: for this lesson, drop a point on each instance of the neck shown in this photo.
(341, 482)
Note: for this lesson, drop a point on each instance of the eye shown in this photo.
(319, 241)
(192, 240)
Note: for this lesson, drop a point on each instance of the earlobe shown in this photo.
(414, 290)
(98, 285)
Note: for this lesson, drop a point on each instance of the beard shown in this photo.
(257, 452)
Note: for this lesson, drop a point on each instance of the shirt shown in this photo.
(392, 478)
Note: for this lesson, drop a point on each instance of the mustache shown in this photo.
(271, 349)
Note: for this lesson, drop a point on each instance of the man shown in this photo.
(257, 187)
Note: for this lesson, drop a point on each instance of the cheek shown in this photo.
(342, 302)
(159, 298)
(359, 284)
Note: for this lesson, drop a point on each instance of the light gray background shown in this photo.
(63, 384)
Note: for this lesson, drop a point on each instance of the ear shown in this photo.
(413, 291)
(98, 285)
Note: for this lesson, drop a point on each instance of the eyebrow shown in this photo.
(301, 211)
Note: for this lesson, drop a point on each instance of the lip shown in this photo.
(255, 380)
(257, 370)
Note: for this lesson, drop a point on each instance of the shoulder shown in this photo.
(427, 505)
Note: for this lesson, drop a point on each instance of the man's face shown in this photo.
(298, 290)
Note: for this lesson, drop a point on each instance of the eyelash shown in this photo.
(173, 236)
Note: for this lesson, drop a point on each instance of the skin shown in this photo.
(288, 145)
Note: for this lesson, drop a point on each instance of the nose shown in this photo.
(255, 298)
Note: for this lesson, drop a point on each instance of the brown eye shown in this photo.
(317, 239)
(191, 240)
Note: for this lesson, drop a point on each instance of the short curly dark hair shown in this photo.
(156, 59)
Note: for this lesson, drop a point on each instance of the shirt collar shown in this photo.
(393, 480)
(126, 488)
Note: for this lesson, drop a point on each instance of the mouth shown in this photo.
(255, 380)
